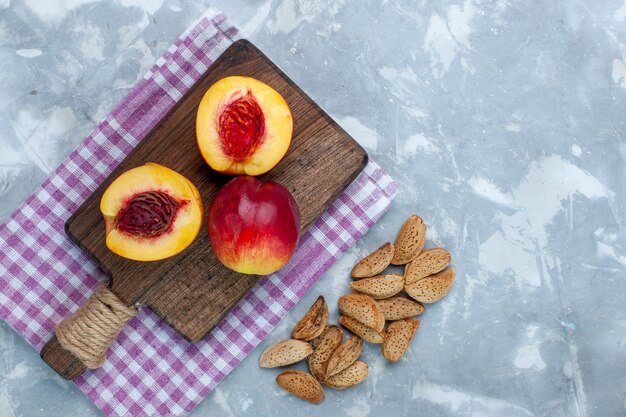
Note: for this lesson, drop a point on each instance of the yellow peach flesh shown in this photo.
(183, 229)
(276, 129)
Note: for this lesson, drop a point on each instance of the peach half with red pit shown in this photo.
(254, 226)
(150, 213)
(243, 126)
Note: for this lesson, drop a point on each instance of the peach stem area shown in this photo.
(148, 214)
(241, 127)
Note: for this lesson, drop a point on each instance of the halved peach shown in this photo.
(243, 126)
(151, 212)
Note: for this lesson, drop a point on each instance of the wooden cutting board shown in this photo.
(193, 290)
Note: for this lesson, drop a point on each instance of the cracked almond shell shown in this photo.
(314, 321)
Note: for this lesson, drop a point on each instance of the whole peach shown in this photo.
(254, 226)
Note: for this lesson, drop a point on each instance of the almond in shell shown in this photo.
(383, 286)
(431, 288)
(410, 240)
(301, 385)
(427, 263)
(352, 375)
(366, 333)
(285, 353)
(398, 338)
(398, 308)
(314, 321)
(374, 263)
(364, 309)
(325, 345)
(344, 356)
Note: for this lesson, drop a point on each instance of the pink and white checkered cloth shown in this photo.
(150, 369)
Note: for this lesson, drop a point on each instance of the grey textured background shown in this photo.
(503, 123)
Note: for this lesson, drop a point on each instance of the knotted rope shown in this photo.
(89, 332)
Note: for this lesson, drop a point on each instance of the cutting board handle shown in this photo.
(82, 340)
(62, 361)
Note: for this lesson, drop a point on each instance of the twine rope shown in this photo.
(90, 331)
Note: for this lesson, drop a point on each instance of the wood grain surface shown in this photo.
(193, 290)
